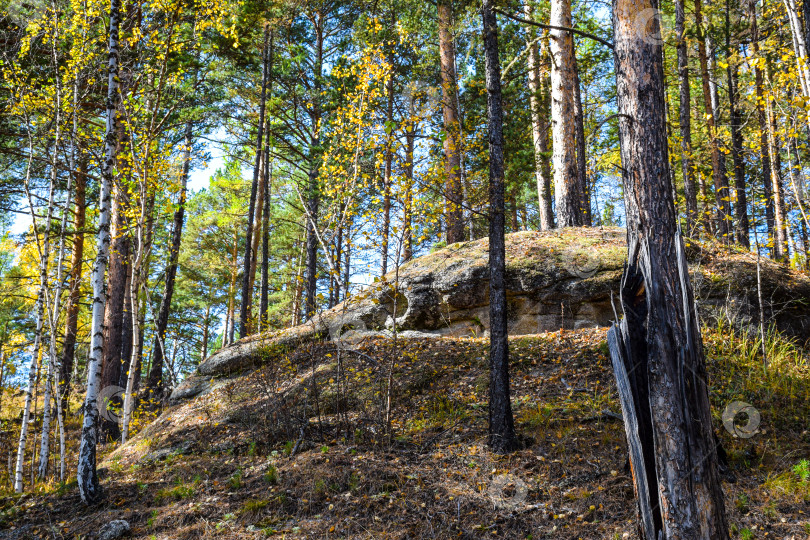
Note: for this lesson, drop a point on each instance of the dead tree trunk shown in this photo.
(656, 349)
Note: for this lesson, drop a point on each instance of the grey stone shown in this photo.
(114, 529)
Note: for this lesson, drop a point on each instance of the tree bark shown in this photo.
(718, 170)
(538, 103)
(452, 142)
(206, 329)
(268, 184)
(389, 160)
(656, 349)
(247, 293)
(311, 286)
(567, 185)
(764, 146)
(74, 284)
(689, 188)
(582, 166)
(89, 488)
(154, 383)
(741, 229)
(407, 207)
(114, 312)
(258, 234)
(502, 437)
(781, 251)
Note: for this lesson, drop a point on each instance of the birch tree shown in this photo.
(89, 488)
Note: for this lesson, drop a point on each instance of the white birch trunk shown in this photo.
(53, 308)
(799, 45)
(40, 318)
(89, 489)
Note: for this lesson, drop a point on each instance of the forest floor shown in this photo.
(300, 448)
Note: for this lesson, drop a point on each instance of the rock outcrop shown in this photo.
(558, 279)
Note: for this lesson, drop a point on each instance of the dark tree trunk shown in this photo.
(502, 437)
(389, 160)
(74, 285)
(582, 166)
(452, 142)
(313, 196)
(684, 108)
(126, 330)
(114, 311)
(206, 329)
(268, 184)
(656, 349)
(741, 201)
(764, 146)
(258, 234)
(154, 382)
(407, 209)
(247, 294)
(718, 170)
(781, 251)
(337, 258)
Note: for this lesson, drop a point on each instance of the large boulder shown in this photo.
(561, 279)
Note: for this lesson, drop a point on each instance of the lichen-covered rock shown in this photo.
(555, 279)
(114, 530)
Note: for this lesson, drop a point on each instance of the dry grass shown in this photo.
(222, 466)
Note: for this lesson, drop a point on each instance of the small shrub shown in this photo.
(254, 505)
(151, 521)
(746, 534)
(235, 481)
(741, 502)
(802, 470)
(178, 493)
(271, 475)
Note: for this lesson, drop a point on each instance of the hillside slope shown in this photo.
(299, 448)
(293, 434)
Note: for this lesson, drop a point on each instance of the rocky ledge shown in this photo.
(561, 279)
